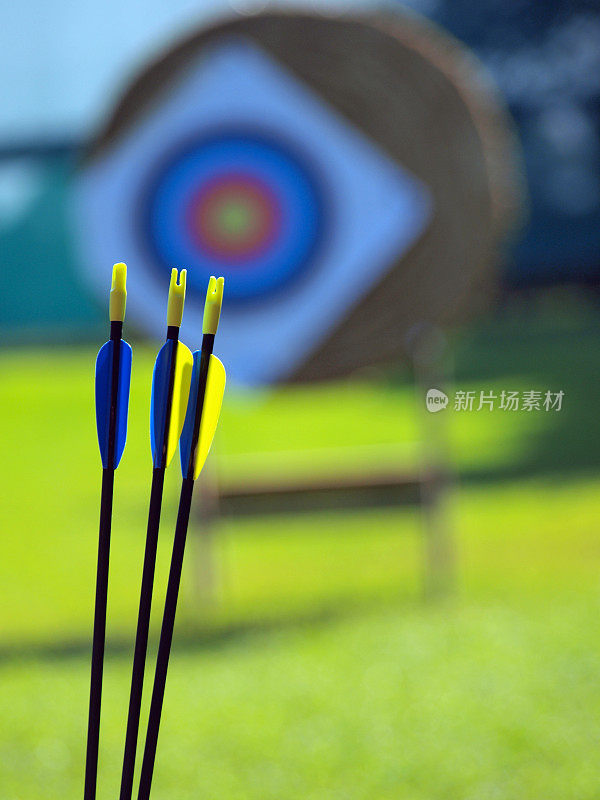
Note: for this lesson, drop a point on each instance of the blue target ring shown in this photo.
(235, 204)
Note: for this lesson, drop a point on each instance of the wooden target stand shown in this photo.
(422, 99)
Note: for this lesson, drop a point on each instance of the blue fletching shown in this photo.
(187, 434)
(158, 404)
(104, 363)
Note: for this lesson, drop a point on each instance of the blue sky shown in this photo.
(62, 62)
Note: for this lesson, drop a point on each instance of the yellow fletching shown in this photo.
(213, 398)
(181, 390)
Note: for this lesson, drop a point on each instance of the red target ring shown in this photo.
(234, 217)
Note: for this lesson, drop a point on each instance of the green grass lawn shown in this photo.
(489, 695)
(315, 670)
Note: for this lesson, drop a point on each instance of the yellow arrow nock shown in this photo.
(118, 293)
(176, 298)
(212, 306)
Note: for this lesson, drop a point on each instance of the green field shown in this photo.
(314, 669)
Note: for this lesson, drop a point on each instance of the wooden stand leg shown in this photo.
(431, 368)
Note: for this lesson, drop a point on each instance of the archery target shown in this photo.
(235, 203)
(238, 169)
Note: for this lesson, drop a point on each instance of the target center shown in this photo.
(235, 218)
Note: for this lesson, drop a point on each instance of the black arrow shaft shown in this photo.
(166, 637)
(106, 504)
(145, 605)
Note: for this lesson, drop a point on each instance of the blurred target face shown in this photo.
(235, 203)
(238, 169)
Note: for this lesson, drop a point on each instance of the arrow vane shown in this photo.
(195, 445)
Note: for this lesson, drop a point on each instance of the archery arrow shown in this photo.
(204, 406)
(170, 391)
(113, 376)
